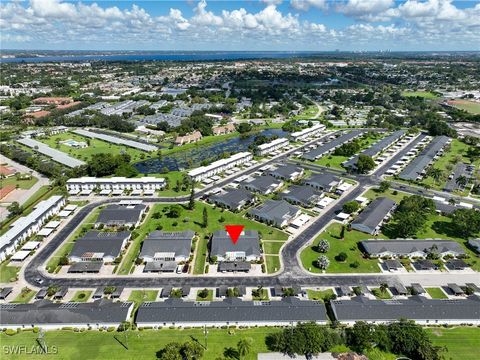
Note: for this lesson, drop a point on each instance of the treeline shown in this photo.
(95, 119)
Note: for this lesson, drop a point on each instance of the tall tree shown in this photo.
(244, 346)
(191, 203)
(205, 217)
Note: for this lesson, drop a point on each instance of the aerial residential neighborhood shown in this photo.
(253, 204)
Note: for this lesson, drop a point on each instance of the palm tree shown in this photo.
(452, 201)
(383, 287)
(435, 173)
(461, 181)
(243, 347)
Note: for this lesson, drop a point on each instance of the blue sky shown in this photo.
(314, 25)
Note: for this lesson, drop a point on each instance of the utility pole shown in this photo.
(41, 341)
(205, 332)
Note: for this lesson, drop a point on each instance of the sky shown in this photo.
(253, 25)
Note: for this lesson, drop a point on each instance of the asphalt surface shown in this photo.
(292, 273)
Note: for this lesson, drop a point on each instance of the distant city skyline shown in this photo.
(263, 25)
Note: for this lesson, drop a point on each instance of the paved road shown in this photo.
(292, 274)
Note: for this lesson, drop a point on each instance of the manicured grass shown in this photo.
(422, 94)
(272, 264)
(140, 296)
(461, 342)
(307, 113)
(22, 184)
(141, 344)
(347, 245)
(8, 273)
(396, 196)
(263, 295)
(96, 146)
(67, 246)
(436, 293)
(381, 294)
(193, 220)
(209, 297)
(25, 296)
(81, 296)
(320, 294)
(271, 247)
(469, 106)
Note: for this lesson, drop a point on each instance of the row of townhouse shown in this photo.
(219, 166)
(265, 149)
(115, 183)
(308, 132)
(30, 224)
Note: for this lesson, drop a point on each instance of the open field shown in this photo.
(423, 94)
(96, 146)
(193, 220)
(461, 343)
(272, 264)
(469, 106)
(8, 273)
(436, 293)
(20, 183)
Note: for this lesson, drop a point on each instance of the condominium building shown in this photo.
(305, 133)
(115, 183)
(267, 148)
(219, 166)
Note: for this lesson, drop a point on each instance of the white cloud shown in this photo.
(305, 5)
(361, 8)
(204, 17)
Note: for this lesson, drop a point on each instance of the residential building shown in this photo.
(230, 311)
(99, 314)
(264, 184)
(167, 246)
(268, 148)
(371, 219)
(121, 215)
(117, 140)
(324, 182)
(99, 246)
(247, 248)
(219, 166)
(314, 130)
(422, 310)
(115, 183)
(233, 199)
(302, 195)
(275, 212)
(331, 145)
(287, 172)
(30, 224)
(223, 129)
(189, 138)
(411, 248)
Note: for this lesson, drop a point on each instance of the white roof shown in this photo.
(438, 198)
(53, 224)
(31, 245)
(64, 213)
(56, 155)
(20, 255)
(273, 143)
(343, 216)
(24, 222)
(465, 205)
(308, 130)
(361, 199)
(116, 140)
(70, 207)
(105, 192)
(219, 163)
(116, 180)
(45, 232)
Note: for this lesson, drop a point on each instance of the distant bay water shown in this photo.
(161, 56)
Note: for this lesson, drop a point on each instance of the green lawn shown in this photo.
(461, 342)
(209, 297)
(337, 245)
(271, 247)
(272, 264)
(385, 295)
(8, 273)
(422, 94)
(469, 106)
(320, 294)
(96, 146)
(140, 296)
(141, 344)
(21, 183)
(25, 296)
(193, 220)
(263, 296)
(67, 246)
(307, 113)
(436, 293)
(396, 196)
(81, 296)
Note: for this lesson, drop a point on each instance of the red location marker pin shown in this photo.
(234, 231)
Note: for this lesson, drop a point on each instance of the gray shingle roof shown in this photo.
(233, 198)
(44, 312)
(304, 195)
(413, 170)
(286, 171)
(414, 308)
(322, 149)
(108, 243)
(232, 310)
(373, 215)
(86, 267)
(120, 214)
(275, 211)
(178, 242)
(324, 181)
(249, 242)
(406, 247)
(262, 183)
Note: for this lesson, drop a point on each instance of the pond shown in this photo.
(191, 158)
